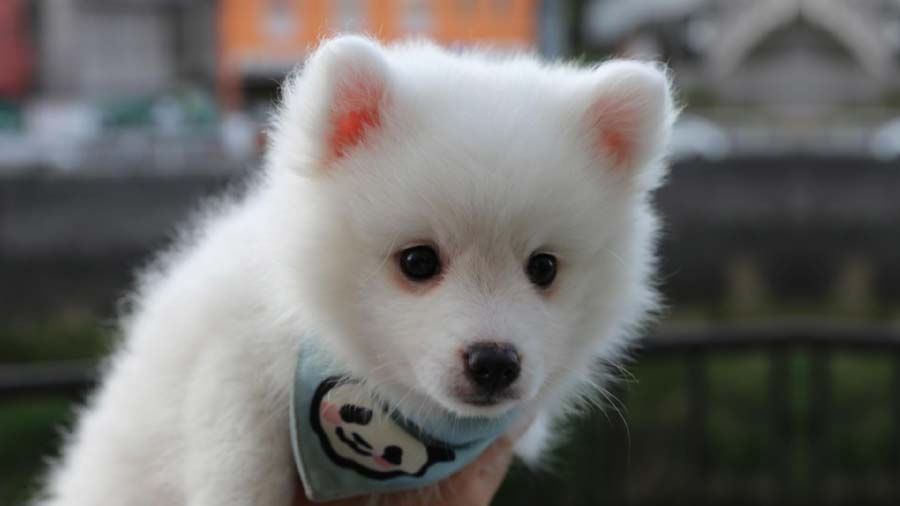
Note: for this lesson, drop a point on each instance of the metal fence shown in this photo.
(693, 344)
(820, 341)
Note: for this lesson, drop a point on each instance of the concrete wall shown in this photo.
(795, 228)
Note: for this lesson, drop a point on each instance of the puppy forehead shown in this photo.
(445, 193)
(465, 159)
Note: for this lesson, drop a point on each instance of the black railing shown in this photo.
(820, 341)
(695, 345)
(69, 378)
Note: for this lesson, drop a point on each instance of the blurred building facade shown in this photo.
(260, 41)
(121, 48)
(106, 84)
(110, 83)
(780, 75)
(785, 52)
(15, 49)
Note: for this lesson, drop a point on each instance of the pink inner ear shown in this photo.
(356, 112)
(350, 127)
(617, 144)
(615, 123)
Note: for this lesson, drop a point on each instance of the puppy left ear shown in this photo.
(630, 114)
(334, 105)
(355, 75)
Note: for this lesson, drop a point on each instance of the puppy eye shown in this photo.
(541, 269)
(419, 263)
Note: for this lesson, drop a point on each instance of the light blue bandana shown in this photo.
(347, 443)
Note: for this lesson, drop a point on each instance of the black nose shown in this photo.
(492, 366)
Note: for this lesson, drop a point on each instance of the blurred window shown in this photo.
(417, 16)
(281, 20)
(351, 15)
(127, 51)
(500, 6)
(466, 7)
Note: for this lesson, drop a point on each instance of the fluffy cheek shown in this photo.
(545, 340)
(595, 310)
(418, 340)
(330, 271)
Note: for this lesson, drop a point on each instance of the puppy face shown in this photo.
(475, 231)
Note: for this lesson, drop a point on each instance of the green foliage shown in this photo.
(30, 433)
(58, 339)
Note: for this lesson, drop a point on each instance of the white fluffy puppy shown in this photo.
(466, 232)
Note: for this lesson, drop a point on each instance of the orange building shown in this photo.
(260, 40)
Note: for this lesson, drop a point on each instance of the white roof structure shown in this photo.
(608, 21)
(746, 29)
(743, 25)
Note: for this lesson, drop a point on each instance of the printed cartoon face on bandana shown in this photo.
(356, 432)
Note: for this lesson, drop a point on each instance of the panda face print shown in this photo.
(356, 432)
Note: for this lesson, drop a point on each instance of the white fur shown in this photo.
(489, 158)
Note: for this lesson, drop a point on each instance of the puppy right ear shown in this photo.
(335, 104)
(629, 111)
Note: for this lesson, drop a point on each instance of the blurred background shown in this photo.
(773, 378)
